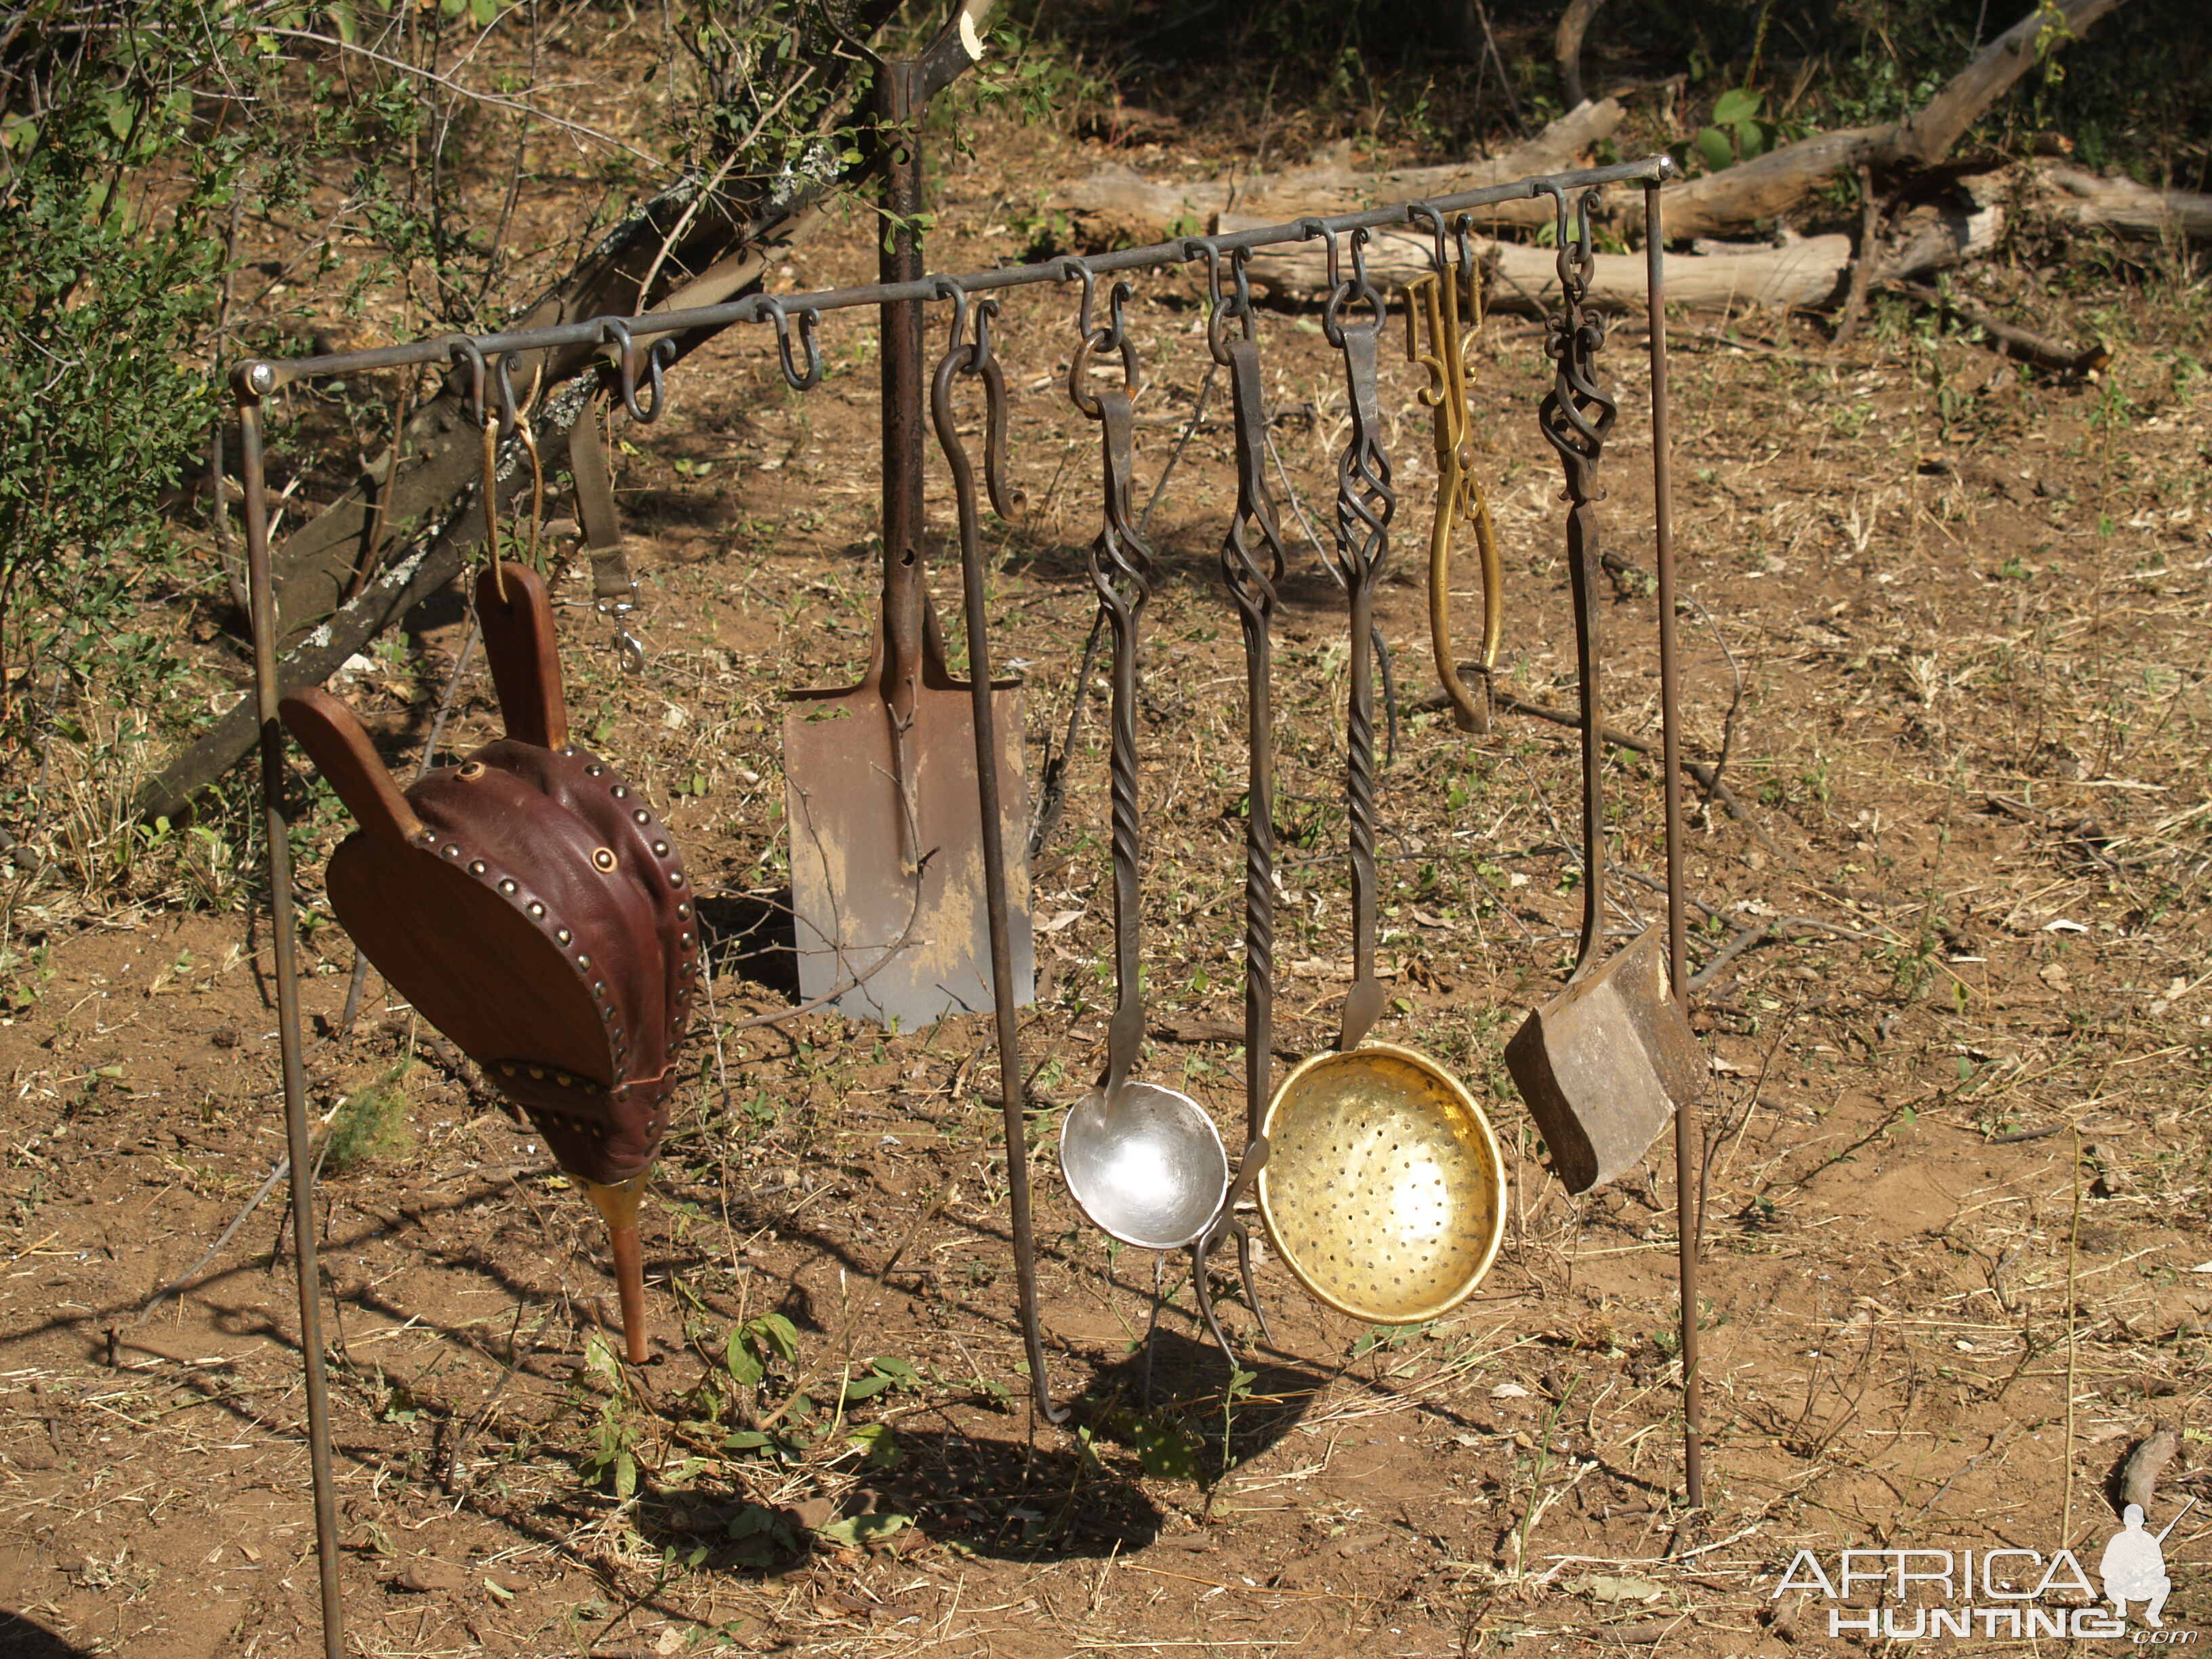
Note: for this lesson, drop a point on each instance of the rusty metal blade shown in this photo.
(1604, 1066)
(912, 931)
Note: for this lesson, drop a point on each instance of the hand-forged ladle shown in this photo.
(1145, 1163)
(1383, 1191)
(1251, 564)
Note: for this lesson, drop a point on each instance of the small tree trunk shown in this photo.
(1567, 47)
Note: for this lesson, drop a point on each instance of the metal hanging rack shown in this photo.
(644, 346)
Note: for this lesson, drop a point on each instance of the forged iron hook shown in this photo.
(1112, 336)
(1071, 268)
(948, 287)
(1470, 265)
(656, 357)
(513, 411)
(1219, 304)
(986, 309)
(615, 333)
(1416, 213)
(798, 380)
(468, 355)
(1347, 291)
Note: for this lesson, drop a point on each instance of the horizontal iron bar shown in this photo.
(260, 376)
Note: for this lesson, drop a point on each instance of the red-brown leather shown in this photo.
(526, 903)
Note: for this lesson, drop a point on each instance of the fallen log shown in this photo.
(1764, 189)
(1748, 196)
(2119, 204)
(1124, 197)
(1801, 272)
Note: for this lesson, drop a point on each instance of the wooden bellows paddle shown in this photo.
(529, 906)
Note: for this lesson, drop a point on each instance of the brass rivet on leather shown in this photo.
(593, 770)
(477, 866)
(675, 878)
(602, 858)
(537, 911)
(641, 816)
(469, 771)
(508, 886)
(620, 792)
(684, 910)
(661, 849)
(453, 849)
(564, 935)
(583, 960)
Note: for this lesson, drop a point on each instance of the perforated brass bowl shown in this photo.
(1383, 1191)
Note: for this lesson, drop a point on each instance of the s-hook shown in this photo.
(800, 379)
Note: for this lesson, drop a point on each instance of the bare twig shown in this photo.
(1863, 263)
(2012, 342)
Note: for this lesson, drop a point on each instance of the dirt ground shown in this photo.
(1948, 622)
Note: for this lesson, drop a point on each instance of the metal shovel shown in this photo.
(887, 877)
(1604, 1064)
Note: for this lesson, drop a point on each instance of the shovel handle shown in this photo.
(898, 161)
(517, 619)
(342, 753)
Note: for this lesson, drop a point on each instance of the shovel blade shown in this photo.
(1604, 1066)
(902, 912)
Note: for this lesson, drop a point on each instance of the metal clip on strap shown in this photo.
(612, 586)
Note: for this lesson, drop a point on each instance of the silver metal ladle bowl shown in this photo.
(1147, 1167)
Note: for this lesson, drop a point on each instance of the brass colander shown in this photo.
(1383, 1191)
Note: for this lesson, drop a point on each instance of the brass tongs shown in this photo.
(1433, 306)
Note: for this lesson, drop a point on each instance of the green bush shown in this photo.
(111, 248)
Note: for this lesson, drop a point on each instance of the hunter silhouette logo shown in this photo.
(2021, 1593)
(2133, 1566)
